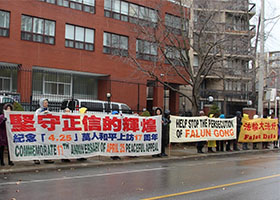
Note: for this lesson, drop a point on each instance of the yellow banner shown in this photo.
(259, 130)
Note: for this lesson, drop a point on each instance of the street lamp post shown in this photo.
(108, 95)
(210, 99)
(249, 103)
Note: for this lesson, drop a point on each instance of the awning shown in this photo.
(55, 70)
(5, 65)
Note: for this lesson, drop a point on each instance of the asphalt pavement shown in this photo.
(250, 176)
(175, 152)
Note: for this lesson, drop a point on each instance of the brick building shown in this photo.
(76, 49)
(229, 82)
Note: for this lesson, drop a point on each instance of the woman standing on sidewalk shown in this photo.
(3, 135)
(44, 103)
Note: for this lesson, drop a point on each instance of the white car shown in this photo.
(95, 106)
(6, 99)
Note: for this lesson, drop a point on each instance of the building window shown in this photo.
(57, 84)
(8, 80)
(130, 12)
(175, 24)
(4, 23)
(174, 57)
(37, 29)
(146, 50)
(79, 37)
(83, 5)
(115, 44)
(195, 61)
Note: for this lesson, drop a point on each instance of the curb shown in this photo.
(47, 167)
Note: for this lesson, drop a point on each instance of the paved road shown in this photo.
(247, 177)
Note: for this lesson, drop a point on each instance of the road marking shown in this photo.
(80, 177)
(212, 188)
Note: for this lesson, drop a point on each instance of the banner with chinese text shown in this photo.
(193, 129)
(68, 136)
(259, 130)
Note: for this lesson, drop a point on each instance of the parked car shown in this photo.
(95, 106)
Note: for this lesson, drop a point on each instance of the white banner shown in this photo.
(68, 135)
(193, 129)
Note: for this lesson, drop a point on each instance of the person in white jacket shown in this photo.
(44, 103)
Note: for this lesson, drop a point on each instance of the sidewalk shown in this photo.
(177, 152)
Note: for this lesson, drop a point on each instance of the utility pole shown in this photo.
(261, 66)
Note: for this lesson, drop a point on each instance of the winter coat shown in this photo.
(165, 130)
(3, 133)
(41, 109)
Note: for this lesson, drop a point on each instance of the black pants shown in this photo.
(2, 148)
(228, 145)
(199, 146)
(163, 145)
(220, 145)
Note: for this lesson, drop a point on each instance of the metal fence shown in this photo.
(27, 86)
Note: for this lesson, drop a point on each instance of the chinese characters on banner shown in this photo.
(63, 135)
(259, 130)
(192, 129)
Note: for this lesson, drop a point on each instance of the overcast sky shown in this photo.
(272, 27)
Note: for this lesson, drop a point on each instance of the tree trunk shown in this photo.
(195, 100)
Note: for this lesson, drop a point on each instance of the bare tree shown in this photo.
(165, 48)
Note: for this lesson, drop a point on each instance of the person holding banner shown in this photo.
(245, 144)
(158, 111)
(3, 135)
(211, 143)
(44, 103)
(200, 145)
(239, 124)
(165, 131)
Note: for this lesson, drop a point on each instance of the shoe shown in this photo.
(211, 151)
(11, 163)
(48, 161)
(164, 154)
(81, 159)
(237, 149)
(65, 160)
(229, 150)
(37, 162)
(2, 164)
(115, 158)
(275, 147)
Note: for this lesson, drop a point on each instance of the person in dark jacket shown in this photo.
(3, 135)
(239, 124)
(165, 131)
